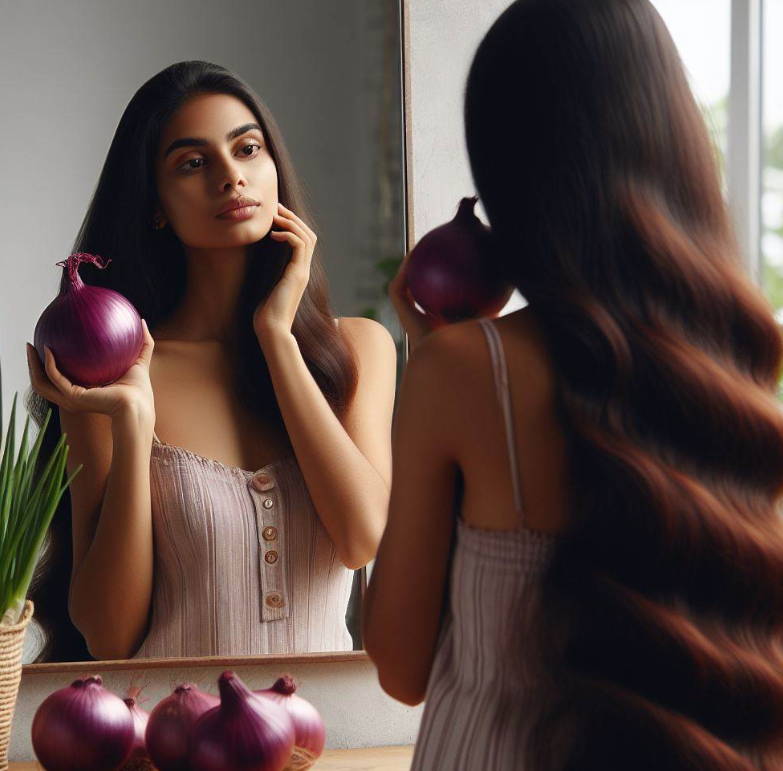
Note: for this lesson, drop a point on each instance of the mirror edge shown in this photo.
(272, 659)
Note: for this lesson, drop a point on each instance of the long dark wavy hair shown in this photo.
(148, 267)
(662, 607)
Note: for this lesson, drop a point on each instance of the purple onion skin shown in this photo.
(244, 733)
(95, 334)
(309, 728)
(170, 722)
(451, 272)
(140, 719)
(82, 727)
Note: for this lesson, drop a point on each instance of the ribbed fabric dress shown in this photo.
(488, 692)
(243, 564)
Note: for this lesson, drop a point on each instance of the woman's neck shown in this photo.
(208, 308)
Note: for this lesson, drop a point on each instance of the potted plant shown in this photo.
(27, 504)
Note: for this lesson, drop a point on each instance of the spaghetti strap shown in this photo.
(500, 375)
(155, 437)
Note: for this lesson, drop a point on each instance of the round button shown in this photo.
(271, 557)
(263, 481)
(270, 533)
(268, 503)
(274, 600)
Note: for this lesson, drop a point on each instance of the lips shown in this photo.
(237, 203)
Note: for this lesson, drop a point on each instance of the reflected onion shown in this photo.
(452, 273)
(244, 733)
(82, 726)
(170, 723)
(95, 334)
(309, 729)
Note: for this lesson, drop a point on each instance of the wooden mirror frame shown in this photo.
(94, 667)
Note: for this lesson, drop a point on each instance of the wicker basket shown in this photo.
(11, 641)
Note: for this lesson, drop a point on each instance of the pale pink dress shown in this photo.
(243, 564)
(489, 692)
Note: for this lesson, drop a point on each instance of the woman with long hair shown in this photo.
(608, 460)
(238, 531)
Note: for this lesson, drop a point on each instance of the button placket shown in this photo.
(272, 571)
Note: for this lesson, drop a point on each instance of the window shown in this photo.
(701, 30)
(732, 51)
(772, 158)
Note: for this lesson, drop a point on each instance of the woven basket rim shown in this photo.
(27, 614)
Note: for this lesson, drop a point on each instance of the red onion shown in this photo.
(170, 722)
(309, 729)
(140, 719)
(95, 334)
(451, 272)
(82, 726)
(245, 733)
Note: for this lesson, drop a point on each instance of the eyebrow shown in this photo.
(198, 142)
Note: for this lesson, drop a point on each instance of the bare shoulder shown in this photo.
(369, 338)
(458, 355)
(364, 329)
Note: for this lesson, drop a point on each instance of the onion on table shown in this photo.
(309, 729)
(170, 723)
(83, 726)
(86, 727)
(244, 733)
(139, 759)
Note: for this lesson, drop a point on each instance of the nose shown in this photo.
(230, 175)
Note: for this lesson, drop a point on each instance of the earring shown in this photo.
(155, 222)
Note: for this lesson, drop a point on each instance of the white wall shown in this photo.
(444, 36)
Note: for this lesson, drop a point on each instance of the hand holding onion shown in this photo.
(98, 339)
(417, 325)
(276, 314)
(132, 389)
(452, 274)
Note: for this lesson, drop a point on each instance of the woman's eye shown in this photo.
(187, 167)
(258, 147)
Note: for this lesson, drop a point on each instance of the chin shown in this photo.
(242, 234)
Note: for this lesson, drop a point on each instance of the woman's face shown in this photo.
(203, 163)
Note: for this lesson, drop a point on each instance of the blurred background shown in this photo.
(704, 31)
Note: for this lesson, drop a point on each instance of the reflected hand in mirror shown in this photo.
(131, 392)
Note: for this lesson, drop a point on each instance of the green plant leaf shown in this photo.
(26, 509)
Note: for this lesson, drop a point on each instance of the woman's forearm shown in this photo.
(348, 493)
(112, 590)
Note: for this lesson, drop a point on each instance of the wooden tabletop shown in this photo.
(372, 759)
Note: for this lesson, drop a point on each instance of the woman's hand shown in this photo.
(133, 388)
(417, 325)
(276, 314)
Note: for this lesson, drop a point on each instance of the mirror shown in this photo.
(248, 568)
